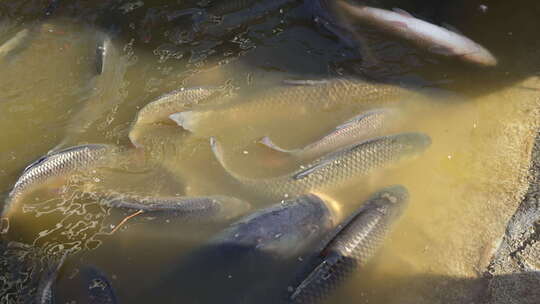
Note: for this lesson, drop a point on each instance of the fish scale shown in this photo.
(299, 99)
(335, 168)
(53, 165)
(353, 246)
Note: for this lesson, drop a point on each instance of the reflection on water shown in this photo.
(463, 189)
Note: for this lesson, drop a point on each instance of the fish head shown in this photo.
(391, 201)
(411, 144)
(285, 229)
(233, 207)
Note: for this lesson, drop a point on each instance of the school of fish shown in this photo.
(302, 225)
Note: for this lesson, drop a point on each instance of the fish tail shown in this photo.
(217, 150)
(270, 144)
(187, 120)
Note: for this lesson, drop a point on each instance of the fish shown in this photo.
(56, 165)
(45, 290)
(100, 290)
(298, 98)
(356, 129)
(353, 245)
(422, 34)
(159, 110)
(209, 208)
(104, 45)
(14, 43)
(253, 252)
(334, 169)
(107, 88)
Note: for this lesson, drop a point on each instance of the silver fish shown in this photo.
(299, 98)
(15, 42)
(421, 33)
(208, 208)
(45, 290)
(359, 128)
(336, 168)
(170, 103)
(353, 246)
(55, 165)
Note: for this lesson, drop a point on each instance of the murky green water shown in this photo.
(464, 189)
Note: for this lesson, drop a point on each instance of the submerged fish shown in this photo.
(335, 168)
(56, 165)
(421, 33)
(14, 43)
(359, 128)
(208, 208)
(104, 45)
(250, 257)
(353, 246)
(45, 290)
(290, 101)
(100, 290)
(170, 103)
(107, 88)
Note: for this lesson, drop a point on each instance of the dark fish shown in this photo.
(359, 128)
(334, 169)
(242, 262)
(98, 286)
(353, 246)
(208, 208)
(45, 290)
(56, 165)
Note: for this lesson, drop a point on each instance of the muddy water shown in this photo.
(463, 189)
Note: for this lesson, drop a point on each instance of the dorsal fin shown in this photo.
(402, 12)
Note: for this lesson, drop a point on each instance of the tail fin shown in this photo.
(270, 144)
(218, 154)
(187, 119)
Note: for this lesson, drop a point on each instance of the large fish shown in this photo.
(56, 165)
(293, 100)
(353, 246)
(158, 111)
(421, 33)
(244, 261)
(359, 128)
(209, 208)
(336, 168)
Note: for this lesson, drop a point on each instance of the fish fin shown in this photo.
(304, 82)
(307, 171)
(441, 50)
(186, 119)
(270, 144)
(217, 150)
(451, 28)
(402, 12)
